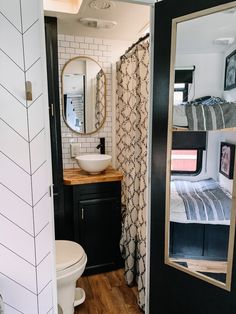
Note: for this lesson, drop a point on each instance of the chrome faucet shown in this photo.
(101, 146)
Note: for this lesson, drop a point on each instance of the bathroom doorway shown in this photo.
(104, 33)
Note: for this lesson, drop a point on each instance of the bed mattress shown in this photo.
(203, 202)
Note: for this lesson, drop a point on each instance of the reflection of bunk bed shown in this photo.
(211, 113)
(199, 219)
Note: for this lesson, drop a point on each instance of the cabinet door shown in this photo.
(99, 231)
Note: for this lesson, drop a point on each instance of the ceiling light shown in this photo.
(225, 41)
(64, 6)
(90, 22)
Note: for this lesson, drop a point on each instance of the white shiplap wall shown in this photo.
(26, 220)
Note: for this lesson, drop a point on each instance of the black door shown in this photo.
(99, 232)
(55, 124)
(172, 291)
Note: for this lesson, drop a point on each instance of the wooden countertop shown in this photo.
(74, 176)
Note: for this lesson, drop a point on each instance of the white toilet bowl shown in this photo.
(70, 264)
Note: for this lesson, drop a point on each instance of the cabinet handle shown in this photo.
(82, 214)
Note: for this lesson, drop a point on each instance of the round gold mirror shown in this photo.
(83, 95)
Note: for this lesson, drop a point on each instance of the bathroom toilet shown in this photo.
(70, 264)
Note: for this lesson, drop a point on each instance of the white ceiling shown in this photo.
(131, 19)
(69, 6)
(198, 35)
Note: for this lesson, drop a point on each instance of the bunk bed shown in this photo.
(203, 114)
(199, 219)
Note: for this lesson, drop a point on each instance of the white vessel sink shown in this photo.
(93, 163)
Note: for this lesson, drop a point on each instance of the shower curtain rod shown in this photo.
(136, 43)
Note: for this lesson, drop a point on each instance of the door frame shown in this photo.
(151, 4)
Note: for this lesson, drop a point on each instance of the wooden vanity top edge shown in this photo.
(75, 176)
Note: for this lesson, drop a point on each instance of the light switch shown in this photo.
(75, 149)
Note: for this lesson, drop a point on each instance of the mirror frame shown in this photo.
(167, 260)
(62, 95)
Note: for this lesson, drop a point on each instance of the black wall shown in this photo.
(55, 124)
(172, 291)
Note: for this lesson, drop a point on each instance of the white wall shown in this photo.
(105, 52)
(215, 138)
(231, 94)
(27, 278)
(229, 137)
(208, 79)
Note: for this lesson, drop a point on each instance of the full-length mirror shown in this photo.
(83, 95)
(200, 211)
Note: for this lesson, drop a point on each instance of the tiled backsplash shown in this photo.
(101, 51)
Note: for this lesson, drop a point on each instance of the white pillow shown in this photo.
(179, 116)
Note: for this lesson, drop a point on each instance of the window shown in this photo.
(186, 161)
(183, 79)
(180, 93)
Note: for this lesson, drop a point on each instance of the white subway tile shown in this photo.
(79, 39)
(64, 43)
(61, 49)
(79, 51)
(65, 56)
(108, 42)
(106, 53)
(74, 45)
(70, 38)
(97, 53)
(98, 41)
(84, 46)
(88, 40)
(86, 144)
(107, 65)
(70, 50)
(61, 37)
(93, 47)
(102, 59)
(102, 47)
(88, 52)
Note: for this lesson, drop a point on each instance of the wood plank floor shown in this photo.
(108, 293)
(204, 265)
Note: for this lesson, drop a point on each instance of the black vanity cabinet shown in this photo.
(96, 209)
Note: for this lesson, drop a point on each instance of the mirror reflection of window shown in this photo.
(180, 93)
(184, 161)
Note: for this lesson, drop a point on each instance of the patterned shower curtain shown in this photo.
(100, 99)
(131, 133)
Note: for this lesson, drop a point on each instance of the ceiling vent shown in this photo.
(101, 4)
(95, 23)
(224, 41)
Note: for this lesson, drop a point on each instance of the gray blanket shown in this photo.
(211, 117)
(204, 200)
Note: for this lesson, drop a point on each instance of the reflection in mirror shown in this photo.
(200, 206)
(83, 95)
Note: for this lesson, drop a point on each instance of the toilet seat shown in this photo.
(68, 253)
